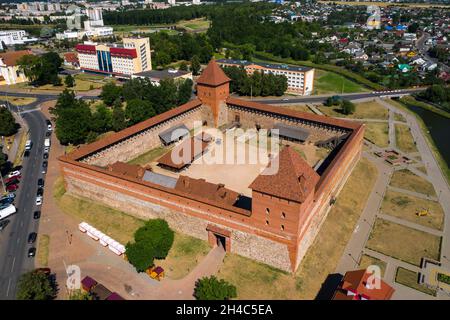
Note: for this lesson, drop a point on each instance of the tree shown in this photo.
(158, 234)
(140, 255)
(79, 295)
(185, 91)
(139, 110)
(8, 125)
(35, 286)
(69, 81)
(3, 162)
(101, 119)
(347, 107)
(118, 118)
(110, 93)
(152, 241)
(183, 66)
(195, 65)
(41, 69)
(210, 288)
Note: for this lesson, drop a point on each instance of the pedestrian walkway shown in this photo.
(414, 194)
(410, 224)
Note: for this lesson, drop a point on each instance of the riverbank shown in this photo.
(443, 164)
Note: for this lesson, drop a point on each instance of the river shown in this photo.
(439, 128)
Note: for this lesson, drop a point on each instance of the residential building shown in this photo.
(155, 76)
(133, 56)
(363, 285)
(300, 79)
(9, 68)
(13, 37)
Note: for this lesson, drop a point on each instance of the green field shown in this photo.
(326, 82)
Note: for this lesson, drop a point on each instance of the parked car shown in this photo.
(14, 173)
(12, 179)
(40, 183)
(3, 224)
(28, 145)
(12, 187)
(6, 200)
(9, 196)
(40, 192)
(48, 133)
(44, 166)
(49, 125)
(38, 200)
(46, 149)
(36, 214)
(26, 154)
(32, 237)
(4, 205)
(31, 252)
(45, 155)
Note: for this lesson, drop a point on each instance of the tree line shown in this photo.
(257, 84)
(42, 69)
(136, 101)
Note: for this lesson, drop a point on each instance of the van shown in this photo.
(28, 145)
(47, 142)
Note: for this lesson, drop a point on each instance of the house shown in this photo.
(362, 285)
(404, 67)
(9, 69)
(71, 59)
(429, 66)
(418, 61)
(360, 56)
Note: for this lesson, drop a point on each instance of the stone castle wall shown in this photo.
(244, 240)
(249, 118)
(145, 141)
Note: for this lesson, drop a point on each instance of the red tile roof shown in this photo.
(294, 179)
(71, 57)
(126, 169)
(356, 285)
(213, 75)
(207, 190)
(293, 113)
(177, 153)
(10, 58)
(139, 127)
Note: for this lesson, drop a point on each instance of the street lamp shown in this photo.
(350, 255)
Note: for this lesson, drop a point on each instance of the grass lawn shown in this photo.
(364, 110)
(377, 133)
(42, 250)
(326, 82)
(403, 243)
(149, 156)
(404, 139)
(404, 206)
(184, 256)
(405, 179)
(259, 281)
(367, 260)
(399, 117)
(18, 101)
(195, 24)
(410, 279)
(186, 251)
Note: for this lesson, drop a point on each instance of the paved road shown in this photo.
(13, 239)
(349, 96)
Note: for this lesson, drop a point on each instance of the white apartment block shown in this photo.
(300, 80)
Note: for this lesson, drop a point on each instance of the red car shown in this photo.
(12, 187)
(13, 179)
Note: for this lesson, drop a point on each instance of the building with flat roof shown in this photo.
(132, 56)
(155, 76)
(269, 217)
(300, 79)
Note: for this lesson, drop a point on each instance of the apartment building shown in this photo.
(124, 60)
(300, 79)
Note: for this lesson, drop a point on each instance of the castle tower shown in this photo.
(213, 88)
(282, 197)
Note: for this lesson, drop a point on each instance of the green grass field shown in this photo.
(326, 82)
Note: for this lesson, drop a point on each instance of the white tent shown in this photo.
(104, 240)
(82, 226)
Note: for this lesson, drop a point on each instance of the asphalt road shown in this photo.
(14, 238)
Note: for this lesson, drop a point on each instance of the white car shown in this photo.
(14, 173)
(46, 149)
(38, 200)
